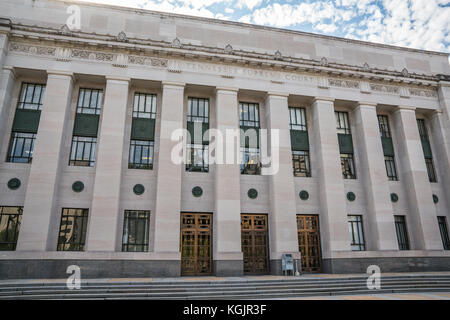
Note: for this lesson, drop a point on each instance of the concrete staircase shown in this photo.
(230, 288)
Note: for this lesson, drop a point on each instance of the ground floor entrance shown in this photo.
(255, 243)
(196, 243)
(309, 242)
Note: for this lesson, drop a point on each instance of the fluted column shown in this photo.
(421, 217)
(104, 214)
(333, 208)
(282, 215)
(376, 185)
(40, 201)
(227, 253)
(168, 185)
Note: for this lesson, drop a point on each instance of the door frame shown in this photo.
(267, 241)
(210, 243)
(320, 239)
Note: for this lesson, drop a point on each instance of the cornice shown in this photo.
(177, 49)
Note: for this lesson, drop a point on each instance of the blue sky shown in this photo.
(422, 24)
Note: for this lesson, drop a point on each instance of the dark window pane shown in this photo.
(300, 162)
(83, 151)
(197, 158)
(10, 219)
(402, 233)
(72, 230)
(250, 161)
(443, 228)
(21, 147)
(144, 106)
(89, 101)
(355, 228)
(141, 154)
(390, 168)
(135, 230)
(31, 96)
(348, 166)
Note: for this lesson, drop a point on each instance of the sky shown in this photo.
(421, 24)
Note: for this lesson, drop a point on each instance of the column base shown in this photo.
(228, 268)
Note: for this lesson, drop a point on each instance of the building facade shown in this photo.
(87, 122)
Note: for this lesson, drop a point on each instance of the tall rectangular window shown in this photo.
(142, 143)
(299, 142)
(426, 146)
(249, 124)
(345, 145)
(26, 122)
(197, 150)
(388, 147)
(84, 139)
(135, 231)
(356, 231)
(402, 232)
(443, 228)
(21, 147)
(72, 230)
(10, 219)
(390, 168)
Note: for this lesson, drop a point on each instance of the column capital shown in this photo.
(173, 84)
(228, 89)
(404, 108)
(443, 84)
(10, 69)
(322, 99)
(365, 104)
(60, 73)
(277, 94)
(116, 78)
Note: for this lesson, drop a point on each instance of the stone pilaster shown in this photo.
(421, 217)
(227, 250)
(104, 214)
(7, 78)
(168, 185)
(440, 131)
(4, 31)
(282, 215)
(376, 184)
(40, 211)
(333, 208)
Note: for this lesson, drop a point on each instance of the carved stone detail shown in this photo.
(384, 88)
(121, 61)
(176, 42)
(228, 48)
(65, 30)
(278, 55)
(423, 93)
(344, 83)
(122, 36)
(405, 72)
(63, 54)
(324, 62)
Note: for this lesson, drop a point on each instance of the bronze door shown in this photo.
(255, 246)
(196, 240)
(309, 242)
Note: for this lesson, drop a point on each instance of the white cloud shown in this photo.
(248, 3)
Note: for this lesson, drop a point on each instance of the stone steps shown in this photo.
(223, 289)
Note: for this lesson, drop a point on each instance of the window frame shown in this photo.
(443, 229)
(10, 245)
(348, 158)
(390, 164)
(82, 109)
(342, 122)
(301, 172)
(79, 245)
(383, 126)
(358, 222)
(83, 162)
(10, 157)
(297, 119)
(248, 123)
(191, 165)
(151, 114)
(143, 243)
(401, 230)
(21, 104)
(151, 154)
(196, 116)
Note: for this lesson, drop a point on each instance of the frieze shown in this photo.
(344, 83)
(423, 93)
(384, 88)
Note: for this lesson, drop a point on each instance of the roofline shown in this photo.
(253, 26)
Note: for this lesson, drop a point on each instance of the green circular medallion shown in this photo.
(394, 197)
(78, 186)
(138, 189)
(351, 196)
(14, 184)
(252, 193)
(304, 195)
(435, 198)
(197, 191)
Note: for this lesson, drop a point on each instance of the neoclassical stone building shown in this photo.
(86, 170)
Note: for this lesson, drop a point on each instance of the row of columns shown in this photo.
(40, 211)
